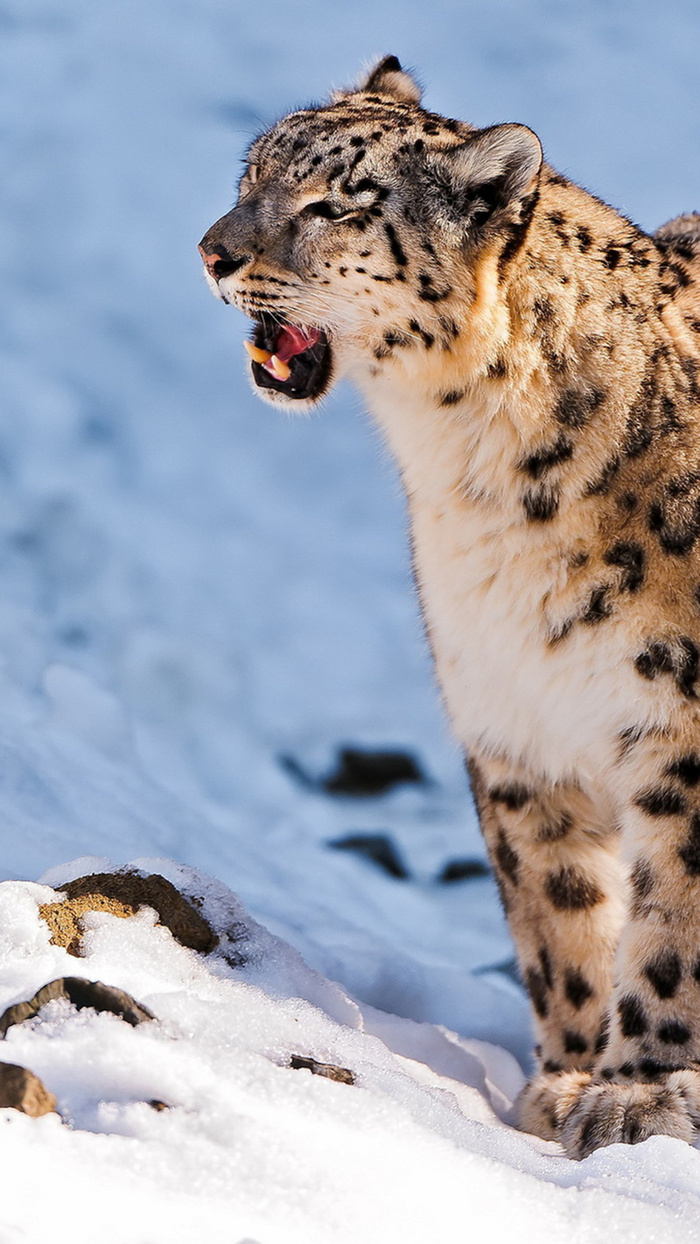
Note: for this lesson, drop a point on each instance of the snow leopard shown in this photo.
(532, 359)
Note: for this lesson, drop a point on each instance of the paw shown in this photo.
(547, 1100)
(610, 1114)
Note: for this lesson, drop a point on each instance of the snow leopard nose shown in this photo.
(219, 263)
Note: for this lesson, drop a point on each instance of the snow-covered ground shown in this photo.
(193, 587)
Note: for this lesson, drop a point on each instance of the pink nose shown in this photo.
(210, 261)
(220, 264)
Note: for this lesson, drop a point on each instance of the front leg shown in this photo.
(555, 857)
(648, 1081)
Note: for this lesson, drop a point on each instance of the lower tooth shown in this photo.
(281, 370)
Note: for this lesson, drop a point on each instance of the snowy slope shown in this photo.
(192, 586)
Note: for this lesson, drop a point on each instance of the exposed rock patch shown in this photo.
(21, 1090)
(82, 993)
(122, 894)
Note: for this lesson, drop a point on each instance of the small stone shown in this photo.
(340, 1074)
(155, 1104)
(122, 894)
(462, 870)
(376, 847)
(366, 773)
(21, 1090)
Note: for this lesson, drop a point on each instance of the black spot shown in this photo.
(396, 248)
(633, 1021)
(690, 851)
(607, 1073)
(497, 369)
(628, 501)
(661, 801)
(357, 141)
(630, 557)
(542, 460)
(673, 1032)
(601, 485)
(569, 890)
(611, 256)
(674, 516)
(516, 232)
(507, 858)
(584, 238)
(541, 504)
(687, 768)
(512, 794)
(452, 398)
(652, 1068)
(628, 737)
(639, 431)
(543, 308)
(656, 659)
(664, 973)
(574, 1043)
(554, 831)
(427, 338)
(537, 990)
(627, 1069)
(696, 972)
(551, 1066)
(669, 420)
(680, 659)
(686, 668)
(577, 988)
(575, 406)
(603, 1037)
(546, 965)
(642, 882)
(433, 295)
(598, 607)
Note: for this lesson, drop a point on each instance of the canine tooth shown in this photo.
(282, 370)
(257, 355)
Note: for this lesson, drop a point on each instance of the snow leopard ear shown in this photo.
(493, 170)
(388, 78)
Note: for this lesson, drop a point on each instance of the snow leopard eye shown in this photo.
(329, 211)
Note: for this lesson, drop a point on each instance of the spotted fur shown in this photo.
(533, 361)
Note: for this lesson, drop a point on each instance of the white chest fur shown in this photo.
(485, 579)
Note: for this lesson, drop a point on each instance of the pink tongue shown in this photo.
(293, 341)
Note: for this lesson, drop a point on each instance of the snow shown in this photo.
(193, 586)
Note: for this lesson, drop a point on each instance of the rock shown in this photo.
(366, 773)
(82, 993)
(376, 847)
(21, 1090)
(463, 870)
(122, 894)
(341, 1074)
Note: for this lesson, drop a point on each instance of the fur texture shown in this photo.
(533, 360)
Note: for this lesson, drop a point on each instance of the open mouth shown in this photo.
(292, 360)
